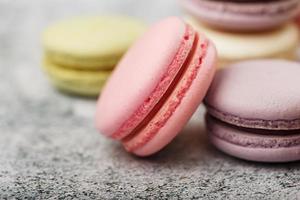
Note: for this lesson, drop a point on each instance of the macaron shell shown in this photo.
(258, 154)
(189, 103)
(257, 94)
(249, 145)
(143, 76)
(82, 82)
(242, 16)
(91, 42)
(74, 89)
(234, 46)
(254, 138)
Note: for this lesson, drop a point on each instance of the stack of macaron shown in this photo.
(80, 53)
(247, 29)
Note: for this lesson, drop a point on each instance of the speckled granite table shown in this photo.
(49, 147)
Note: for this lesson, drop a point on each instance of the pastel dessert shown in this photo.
(75, 81)
(93, 42)
(242, 15)
(254, 110)
(80, 53)
(156, 87)
(235, 46)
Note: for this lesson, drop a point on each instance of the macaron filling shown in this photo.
(250, 137)
(167, 105)
(172, 71)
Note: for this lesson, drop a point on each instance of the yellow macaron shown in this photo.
(237, 46)
(76, 81)
(80, 53)
(92, 42)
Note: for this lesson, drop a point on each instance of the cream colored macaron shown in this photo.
(236, 46)
(93, 42)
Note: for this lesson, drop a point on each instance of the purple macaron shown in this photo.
(254, 110)
(241, 15)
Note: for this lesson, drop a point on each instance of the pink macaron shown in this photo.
(254, 110)
(239, 15)
(156, 87)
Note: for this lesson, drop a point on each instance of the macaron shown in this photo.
(90, 42)
(236, 46)
(156, 87)
(80, 53)
(242, 15)
(76, 81)
(254, 110)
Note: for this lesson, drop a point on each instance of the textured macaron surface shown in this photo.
(257, 94)
(143, 76)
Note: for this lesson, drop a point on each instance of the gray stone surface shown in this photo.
(49, 148)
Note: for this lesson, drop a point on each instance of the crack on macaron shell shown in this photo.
(169, 103)
(252, 138)
(143, 110)
(279, 124)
